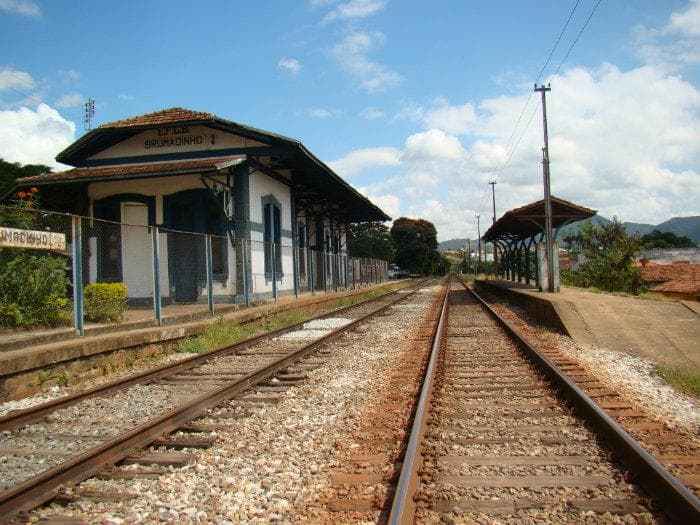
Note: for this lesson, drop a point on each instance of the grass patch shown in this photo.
(222, 333)
(681, 378)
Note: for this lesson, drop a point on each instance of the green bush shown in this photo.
(33, 290)
(105, 302)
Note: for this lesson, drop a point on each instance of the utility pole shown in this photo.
(547, 192)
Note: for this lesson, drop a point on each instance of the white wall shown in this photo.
(157, 187)
(260, 186)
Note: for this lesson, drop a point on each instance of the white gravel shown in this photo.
(302, 335)
(29, 402)
(273, 462)
(636, 378)
(329, 323)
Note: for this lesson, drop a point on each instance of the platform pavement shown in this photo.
(663, 331)
(132, 336)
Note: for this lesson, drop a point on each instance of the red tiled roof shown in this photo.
(130, 170)
(678, 286)
(166, 116)
(660, 273)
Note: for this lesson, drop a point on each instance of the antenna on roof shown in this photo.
(89, 114)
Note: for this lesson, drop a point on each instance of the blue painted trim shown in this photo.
(256, 151)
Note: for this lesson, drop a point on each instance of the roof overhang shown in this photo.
(528, 221)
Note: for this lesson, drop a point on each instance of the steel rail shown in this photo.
(403, 505)
(45, 486)
(22, 417)
(680, 504)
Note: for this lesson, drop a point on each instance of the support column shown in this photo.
(210, 273)
(155, 237)
(77, 249)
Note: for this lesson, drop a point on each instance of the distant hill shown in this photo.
(452, 245)
(686, 226)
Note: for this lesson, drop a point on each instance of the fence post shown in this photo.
(311, 270)
(324, 273)
(156, 274)
(77, 249)
(274, 272)
(295, 269)
(210, 273)
(246, 285)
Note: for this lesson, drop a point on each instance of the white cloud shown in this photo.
(674, 45)
(352, 54)
(453, 119)
(433, 144)
(372, 113)
(354, 9)
(14, 79)
(688, 21)
(289, 65)
(69, 76)
(70, 100)
(358, 160)
(322, 113)
(34, 136)
(20, 7)
(615, 146)
(126, 97)
(389, 203)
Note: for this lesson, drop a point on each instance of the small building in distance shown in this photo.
(680, 279)
(265, 197)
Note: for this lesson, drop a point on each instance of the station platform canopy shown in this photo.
(528, 221)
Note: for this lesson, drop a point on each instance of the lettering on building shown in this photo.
(176, 136)
(32, 239)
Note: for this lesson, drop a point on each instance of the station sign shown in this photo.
(32, 239)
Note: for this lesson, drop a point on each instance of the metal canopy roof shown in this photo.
(525, 222)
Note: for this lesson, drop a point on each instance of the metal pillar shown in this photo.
(155, 237)
(246, 284)
(77, 249)
(210, 273)
(274, 271)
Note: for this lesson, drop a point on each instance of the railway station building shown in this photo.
(265, 197)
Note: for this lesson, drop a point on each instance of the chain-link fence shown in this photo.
(61, 270)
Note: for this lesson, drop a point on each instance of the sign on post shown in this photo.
(32, 239)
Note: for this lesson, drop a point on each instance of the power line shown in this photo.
(509, 144)
(578, 36)
(512, 151)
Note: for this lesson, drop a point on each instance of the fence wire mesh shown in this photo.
(101, 272)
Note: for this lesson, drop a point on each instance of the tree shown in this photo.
(415, 241)
(11, 171)
(609, 256)
(371, 240)
(665, 240)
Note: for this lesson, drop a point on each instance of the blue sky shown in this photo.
(414, 104)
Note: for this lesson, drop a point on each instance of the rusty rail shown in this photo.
(35, 413)
(679, 503)
(403, 506)
(45, 486)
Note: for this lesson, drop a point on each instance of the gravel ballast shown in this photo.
(271, 460)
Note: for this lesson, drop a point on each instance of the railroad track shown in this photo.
(110, 432)
(678, 450)
(501, 434)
